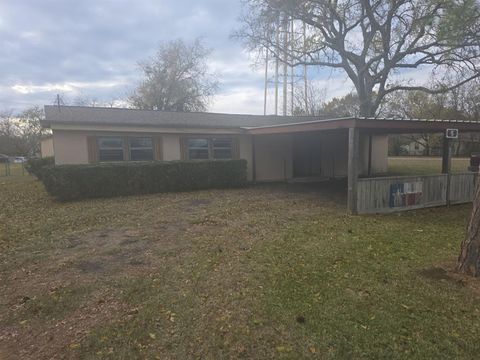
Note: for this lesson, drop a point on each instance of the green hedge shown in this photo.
(72, 182)
(36, 166)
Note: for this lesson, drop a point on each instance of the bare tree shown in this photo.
(176, 79)
(8, 133)
(21, 134)
(372, 40)
(314, 97)
(83, 100)
(421, 105)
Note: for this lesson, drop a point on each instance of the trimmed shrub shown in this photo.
(72, 182)
(36, 166)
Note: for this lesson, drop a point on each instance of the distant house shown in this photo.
(413, 148)
(276, 148)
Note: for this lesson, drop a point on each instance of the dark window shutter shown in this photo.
(92, 147)
(235, 148)
(157, 148)
(183, 148)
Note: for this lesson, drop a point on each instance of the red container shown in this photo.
(475, 160)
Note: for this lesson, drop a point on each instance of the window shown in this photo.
(141, 148)
(110, 149)
(210, 148)
(222, 149)
(198, 149)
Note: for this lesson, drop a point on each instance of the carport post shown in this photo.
(447, 163)
(446, 155)
(353, 158)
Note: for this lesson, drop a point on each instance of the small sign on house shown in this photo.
(452, 134)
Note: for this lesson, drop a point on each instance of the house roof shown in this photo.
(127, 117)
(254, 124)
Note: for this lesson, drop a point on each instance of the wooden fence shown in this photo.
(399, 193)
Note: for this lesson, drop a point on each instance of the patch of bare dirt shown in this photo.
(89, 259)
(447, 272)
(154, 239)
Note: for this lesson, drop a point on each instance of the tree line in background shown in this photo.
(20, 134)
(462, 103)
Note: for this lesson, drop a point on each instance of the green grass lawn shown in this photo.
(424, 165)
(266, 272)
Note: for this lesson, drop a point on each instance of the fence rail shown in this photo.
(12, 169)
(398, 193)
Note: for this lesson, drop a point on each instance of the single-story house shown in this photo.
(276, 148)
(83, 135)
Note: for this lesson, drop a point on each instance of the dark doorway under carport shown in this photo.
(307, 155)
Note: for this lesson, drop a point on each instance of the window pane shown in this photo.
(222, 143)
(111, 155)
(140, 142)
(110, 142)
(222, 148)
(197, 143)
(198, 154)
(141, 155)
(220, 154)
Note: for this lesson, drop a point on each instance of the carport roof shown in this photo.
(385, 125)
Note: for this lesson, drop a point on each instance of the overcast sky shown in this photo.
(90, 48)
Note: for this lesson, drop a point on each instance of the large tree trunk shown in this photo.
(469, 259)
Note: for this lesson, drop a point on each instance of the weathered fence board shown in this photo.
(462, 187)
(399, 193)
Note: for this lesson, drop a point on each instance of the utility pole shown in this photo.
(277, 40)
(285, 65)
(305, 76)
(292, 75)
(266, 83)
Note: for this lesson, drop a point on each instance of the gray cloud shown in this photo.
(91, 47)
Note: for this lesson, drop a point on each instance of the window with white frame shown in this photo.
(111, 148)
(210, 148)
(198, 149)
(141, 148)
(222, 149)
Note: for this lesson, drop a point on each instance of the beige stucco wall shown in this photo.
(46, 147)
(70, 147)
(379, 154)
(245, 144)
(171, 147)
(274, 153)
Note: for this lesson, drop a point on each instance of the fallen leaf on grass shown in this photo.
(284, 348)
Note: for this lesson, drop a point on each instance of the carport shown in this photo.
(368, 190)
